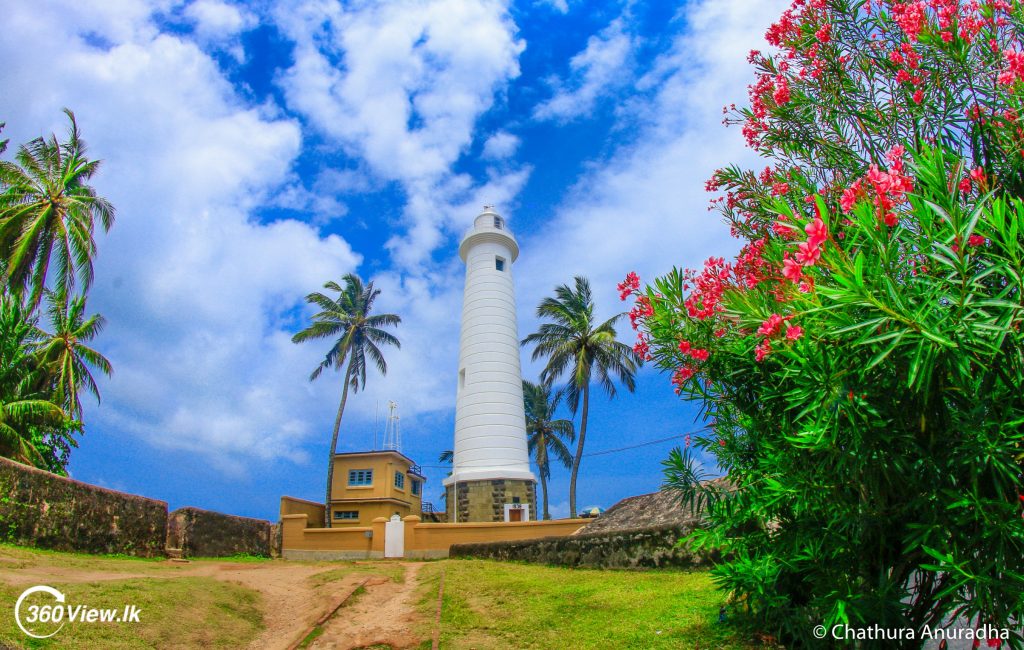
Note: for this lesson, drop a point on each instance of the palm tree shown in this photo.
(65, 354)
(47, 214)
(546, 436)
(358, 335)
(446, 456)
(25, 412)
(572, 342)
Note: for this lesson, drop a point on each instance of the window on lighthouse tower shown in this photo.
(499, 263)
(497, 222)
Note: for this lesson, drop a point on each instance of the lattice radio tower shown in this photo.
(393, 429)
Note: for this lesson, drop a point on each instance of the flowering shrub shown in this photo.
(861, 360)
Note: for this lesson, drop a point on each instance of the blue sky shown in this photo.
(255, 151)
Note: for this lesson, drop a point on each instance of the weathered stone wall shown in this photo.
(625, 549)
(44, 510)
(202, 533)
(484, 501)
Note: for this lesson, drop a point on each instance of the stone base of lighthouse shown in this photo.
(491, 500)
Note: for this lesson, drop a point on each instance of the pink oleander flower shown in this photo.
(791, 269)
(629, 285)
(700, 355)
(807, 253)
(816, 232)
(781, 94)
(1015, 67)
(770, 326)
(762, 350)
(793, 332)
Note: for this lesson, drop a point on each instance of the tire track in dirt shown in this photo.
(385, 615)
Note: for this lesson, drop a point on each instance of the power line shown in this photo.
(603, 452)
(642, 444)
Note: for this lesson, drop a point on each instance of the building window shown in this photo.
(360, 477)
(346, 514)
(515, 499)
(462, 378)
(497, 222)
(400, 480)
(415, 488)
(499, 263)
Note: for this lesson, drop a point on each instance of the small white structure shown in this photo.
(490, 430)
(394, 537)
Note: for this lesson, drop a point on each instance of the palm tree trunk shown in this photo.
(579, 451)
(544, 489)
(334, 446)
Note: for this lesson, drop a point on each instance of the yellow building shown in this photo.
(371, 484)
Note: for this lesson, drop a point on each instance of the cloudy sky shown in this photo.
(255, 151)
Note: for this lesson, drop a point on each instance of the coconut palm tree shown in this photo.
(47, 215)
(545, 436)
(25, 412)
(358, 336)
(573, 342)
(64, 353)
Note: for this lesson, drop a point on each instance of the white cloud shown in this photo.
(217, 20)
(501, 145)
(401, 86)
(197, 294)
(594, 73)
(220, 24)
(645, 209)
(561, 6)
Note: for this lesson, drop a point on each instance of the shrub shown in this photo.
(861, 360)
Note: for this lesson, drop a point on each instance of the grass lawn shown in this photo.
(187, 612)
(501, 605)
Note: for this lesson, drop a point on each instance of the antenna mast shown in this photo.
(393, 429)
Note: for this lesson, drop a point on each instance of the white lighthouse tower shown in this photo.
(491, 478)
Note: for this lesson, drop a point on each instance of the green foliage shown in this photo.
(575, 344)
(29, 421)
(861, 360)
(46, 215)
(546, 436)
(359, 335)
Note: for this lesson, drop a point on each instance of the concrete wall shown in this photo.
(295, 506)
(202, 533)
(627, 549)
(421, 540)
(435, 540)
(300, 542)
(44, 510)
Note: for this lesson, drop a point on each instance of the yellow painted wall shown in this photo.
(433, 540)
(368, 511)
(294, 506)
(295, 536)
(437, 537)
(363, 498)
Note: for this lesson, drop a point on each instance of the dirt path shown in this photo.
(384, 615)
(292, 600)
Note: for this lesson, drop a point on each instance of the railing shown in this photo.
(415, 469)
(428, 507)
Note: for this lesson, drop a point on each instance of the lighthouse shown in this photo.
(491, 478)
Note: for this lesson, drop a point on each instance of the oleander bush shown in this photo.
(861, 360)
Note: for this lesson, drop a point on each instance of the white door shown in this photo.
(394, 537)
